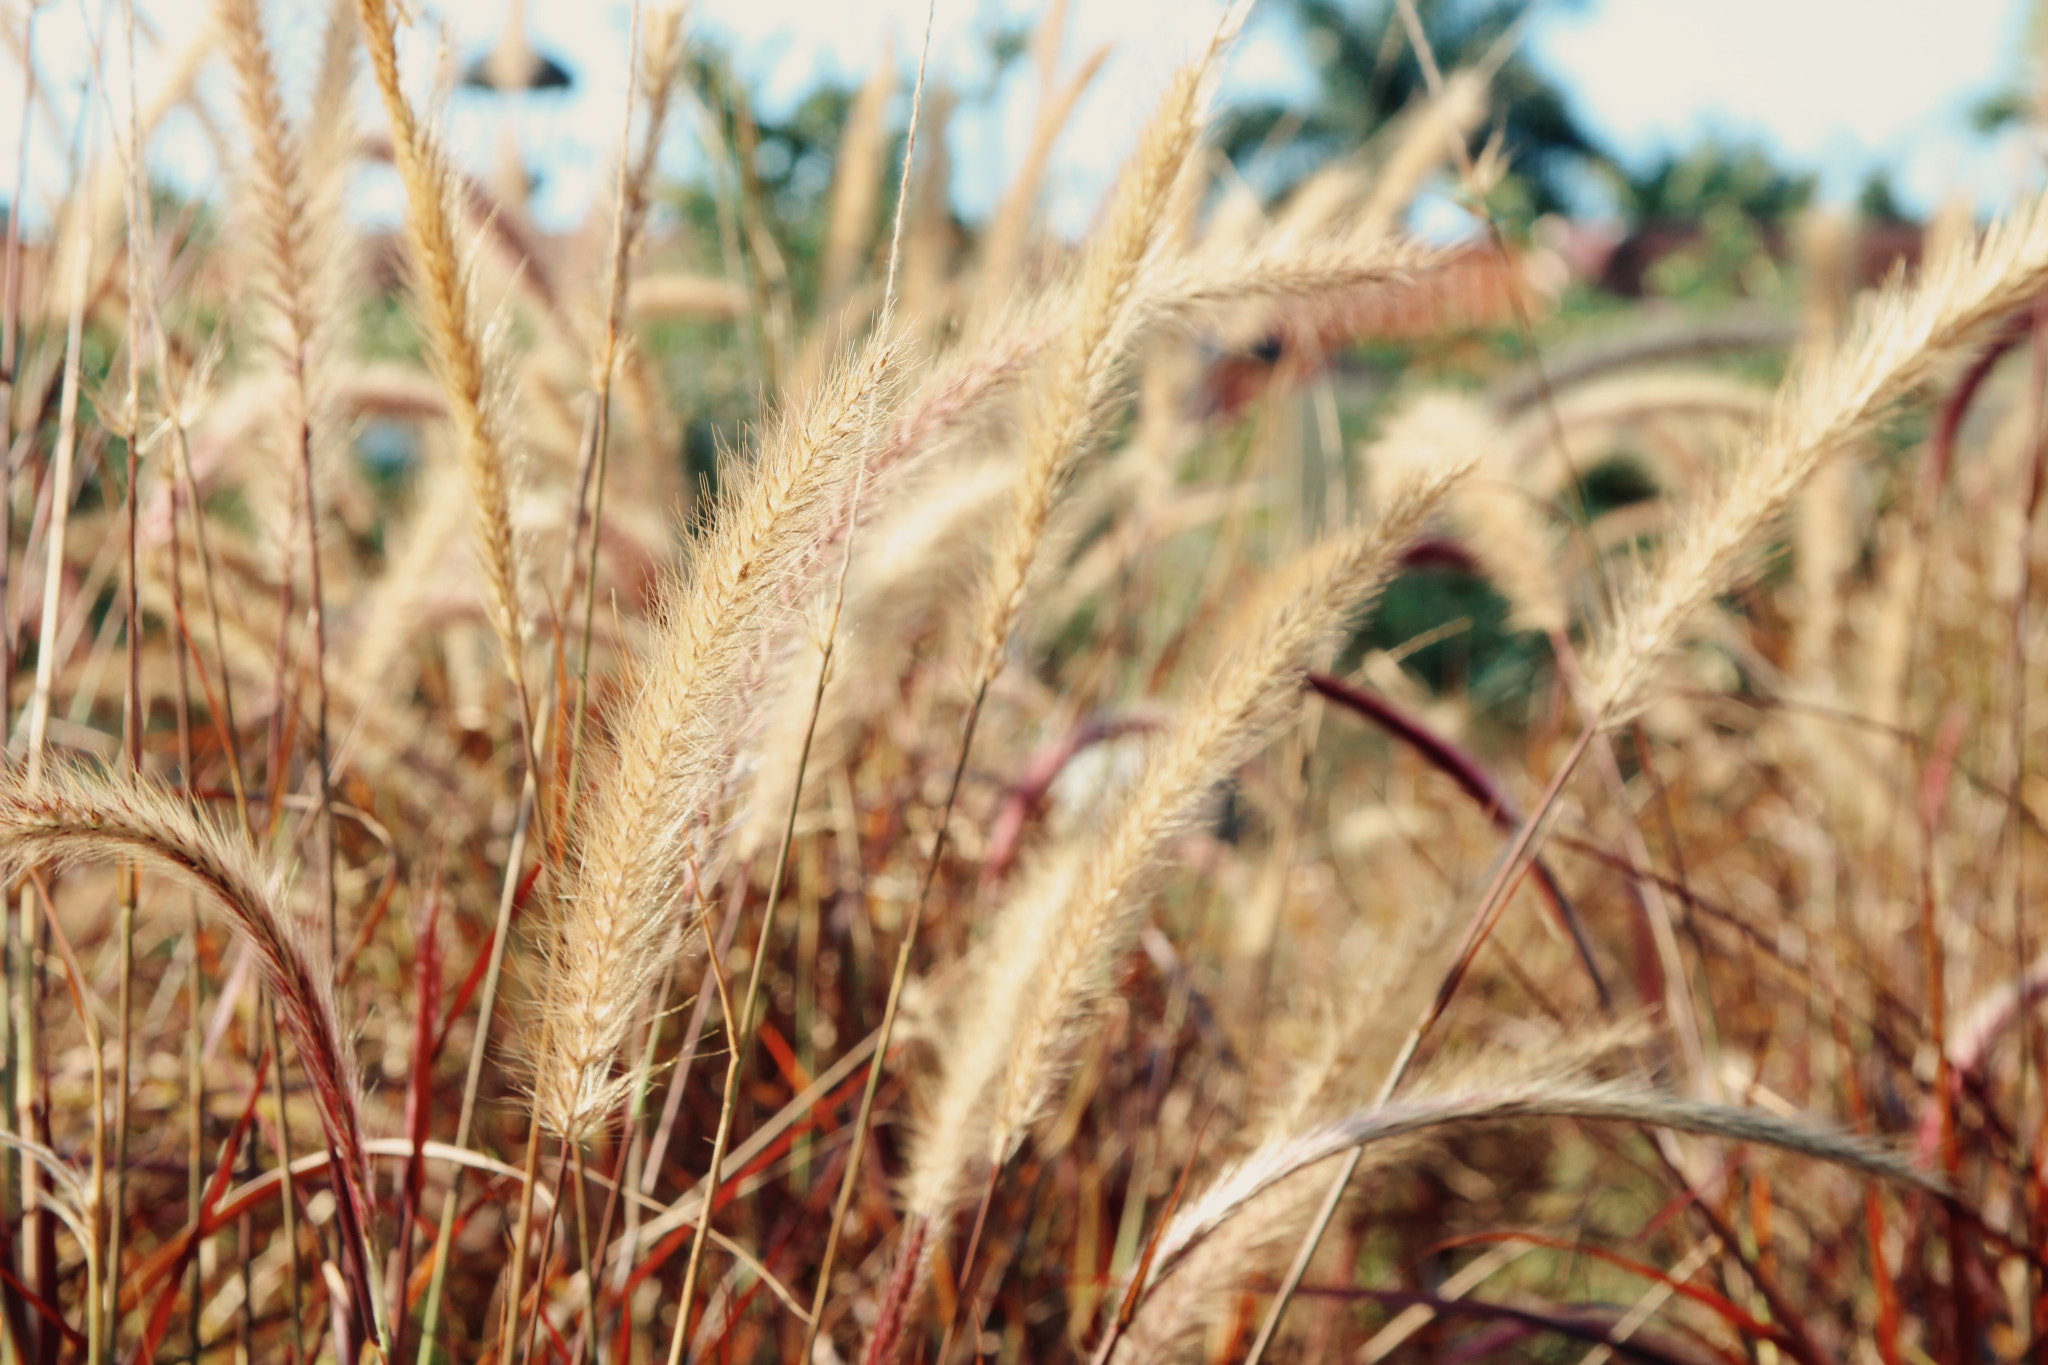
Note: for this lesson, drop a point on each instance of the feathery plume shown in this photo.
(1304, 606)
(1079, 370)
(275, 186)
(1895, 344)
(74, 814)
(1156, 1333)
(1324, 277)
(464, 350)
(913, 568)
(641, 848)
(285, 235)
(330, 126)
(1058, 941)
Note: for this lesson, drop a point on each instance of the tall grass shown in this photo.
(1066, 733)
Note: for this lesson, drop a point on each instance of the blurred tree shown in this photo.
(1996, 112)
(1705, 224)
(1366, 75)
(1684, 187)
(1878, 202)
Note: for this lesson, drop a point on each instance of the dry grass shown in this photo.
(1138, 865)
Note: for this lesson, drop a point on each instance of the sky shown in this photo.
(1839, 87)
(1835, 86)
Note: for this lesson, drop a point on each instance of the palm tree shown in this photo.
(1366, 75)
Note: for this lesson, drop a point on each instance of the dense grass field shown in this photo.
(742, 785)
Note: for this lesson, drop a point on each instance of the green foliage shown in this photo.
(1365, 75)
(2001, 110)
(1877, 202)
(1686, 186)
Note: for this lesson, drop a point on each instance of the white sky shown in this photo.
(1838, 86)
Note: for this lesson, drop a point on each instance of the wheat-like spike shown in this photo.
(1057, 942)
(328, 153)
(658, 73)
(913, 567)
(1079, 361)
(1223, 724)
(1352, 1043)
(75, 814)
(1353, 1039)
(1896, 343)
(1080, 367)
(328, 158)
(1258, 1205)
(1233, 1240)
(292, 196)
(621, 919)
(330, 124)
(1280, 268)
(969, 379)
(952, 1139)
(462, 346)
(657, 79)
(272, 208)
(276, 188)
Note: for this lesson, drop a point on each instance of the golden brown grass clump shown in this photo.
(1149, 798)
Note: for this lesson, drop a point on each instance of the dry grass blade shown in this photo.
(1602, 1102)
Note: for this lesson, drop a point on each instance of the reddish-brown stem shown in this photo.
(880, 1352)
(1934, 784)
(1472, 779)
